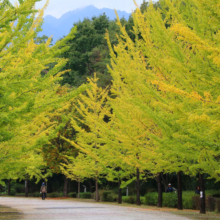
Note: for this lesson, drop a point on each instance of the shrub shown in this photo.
(12, 192)
(210, 203)
(20, 194)
(72, 194)
(142, 199)
(128, 199)
(170, 200)
(132, 199)
(55, 194)
(104, 195)
(213, 193)
(196, 202)
(187, 201)
(190, 200)
(86, 195)
(36, 194)
(216, 195)
(93, 195)
(112, 197)
(151, 198)
(19, 188)
(125, 199)
(217, 202)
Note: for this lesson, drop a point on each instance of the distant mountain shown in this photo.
(62, 26)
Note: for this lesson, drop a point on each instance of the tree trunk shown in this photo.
(78, 189)
(167, 181)
(180, 200)
(90, 185)
(46, 184)
(69, 185)
(202, 194)
(119, 192)
(138, 187)
(96, 190)
(160, 195)
(65, 186)
(26, 187)
(9, 187)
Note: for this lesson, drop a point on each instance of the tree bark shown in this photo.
(9, 187)
(180, 200)
(138, 187)
(96, 190)
(65, 186)
(202, 194)
(26, 187)
(119, 192)
(69, 185)
(160, 195)
(78, 189)
(90, 186)
(167, 181)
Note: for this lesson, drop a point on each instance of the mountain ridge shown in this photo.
(60, 27)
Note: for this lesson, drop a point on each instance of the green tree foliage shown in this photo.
(168, 75)
(43, 39)
(89, 52)
(55, 151)
(86, 121)
(27, 97)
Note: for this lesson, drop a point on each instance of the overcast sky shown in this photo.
(58, 7)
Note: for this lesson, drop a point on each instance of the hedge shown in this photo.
(104, 195)
(55, 194)
(132, 199)
(85, 195)
(72, 194)
(189, 198)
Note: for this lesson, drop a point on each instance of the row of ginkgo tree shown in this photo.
(29, 89)
(161, 113)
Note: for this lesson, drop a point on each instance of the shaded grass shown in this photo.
(9, 213)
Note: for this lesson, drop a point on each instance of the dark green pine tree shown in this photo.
(89, 52)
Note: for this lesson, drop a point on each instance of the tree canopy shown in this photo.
(29, 92)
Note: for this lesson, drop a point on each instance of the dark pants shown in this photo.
(43, 196)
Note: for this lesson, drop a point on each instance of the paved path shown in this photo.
(31, 208)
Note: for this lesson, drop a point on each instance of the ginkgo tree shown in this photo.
(86, 118)
(112, 139)
(169, 74)
(80, 168)
(27, 96)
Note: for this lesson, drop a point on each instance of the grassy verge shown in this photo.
(191, 214)
(9, 213)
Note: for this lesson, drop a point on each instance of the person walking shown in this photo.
(43, 191)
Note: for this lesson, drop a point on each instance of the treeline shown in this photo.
(89, 52)
(157, 116)
(138, 101)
